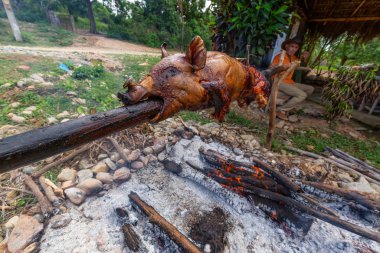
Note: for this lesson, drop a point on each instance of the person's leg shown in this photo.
(297, 95)
(306, 88)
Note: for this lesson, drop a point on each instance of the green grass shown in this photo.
(36, 34)
(9, 73)
(364, 150)
(194, 116)
(97, 87)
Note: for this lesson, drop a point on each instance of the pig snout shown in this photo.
(137, 92)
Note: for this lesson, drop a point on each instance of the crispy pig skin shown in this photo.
(198, 80)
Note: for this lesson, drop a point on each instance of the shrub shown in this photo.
(88, 72)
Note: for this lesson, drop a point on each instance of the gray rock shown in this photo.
(152, 158)
(37, 78)
(144, 159)
(84, 164)
(100, 167)
(121, 175)
(293, 118)
(67, 175)
(91, 186)
(345, 177)
(137, 165)
(6, 85)
(280, 124)
(84, 174)
(361, 186)
(105, 178)
(11, 223)
(75, 195)
(161, 156)
(60, 221)
(157, 148)
(110, 164)
(238, 151)
(39, 217)
(26, 230)
(102, 156)
(115, 157)
(134, 155)
(51, 120)
(63, 114)
(71, 94)
(148, 151)
(29, 170)
(80, 249)
(120, 162)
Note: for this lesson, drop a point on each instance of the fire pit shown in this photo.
(213, 214)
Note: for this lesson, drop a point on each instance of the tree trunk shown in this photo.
(12, 20)
(90, 15)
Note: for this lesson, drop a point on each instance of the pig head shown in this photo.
(198, 80)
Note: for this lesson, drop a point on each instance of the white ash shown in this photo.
(177, 199)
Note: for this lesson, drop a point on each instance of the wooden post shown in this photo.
(12, 20)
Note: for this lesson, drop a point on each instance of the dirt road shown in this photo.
(89, 44)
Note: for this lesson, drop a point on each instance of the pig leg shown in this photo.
(221, 100)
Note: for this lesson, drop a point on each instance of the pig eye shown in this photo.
(170, 72)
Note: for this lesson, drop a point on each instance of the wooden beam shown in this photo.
(357, 19)
(357, 8)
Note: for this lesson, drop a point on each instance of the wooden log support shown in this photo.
(367, 233)
(46, 207)
(272, 112)
(154, 217)
(284, 180)
(358, 197)
(339, 165)
(29, 147)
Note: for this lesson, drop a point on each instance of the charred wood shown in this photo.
(367, 233)
(154, 217)
(212, 155)
(131, 238)
(358, 197)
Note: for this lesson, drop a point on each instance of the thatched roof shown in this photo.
(332, 18)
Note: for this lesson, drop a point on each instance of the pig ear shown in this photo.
(164, 53)
(196, 53)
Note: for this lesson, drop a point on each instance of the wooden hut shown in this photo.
(333, 18)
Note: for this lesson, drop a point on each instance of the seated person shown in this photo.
(298, 92)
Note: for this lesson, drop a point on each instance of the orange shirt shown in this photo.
(287, 60)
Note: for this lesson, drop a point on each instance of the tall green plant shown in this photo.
(243, 22)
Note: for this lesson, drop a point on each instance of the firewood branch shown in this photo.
(46, 207)
(45, 169)
(160, 221)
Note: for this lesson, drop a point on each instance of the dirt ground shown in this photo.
(96, 44)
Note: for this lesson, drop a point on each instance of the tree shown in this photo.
(12, 20)
(90, 15)
(238, 23)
